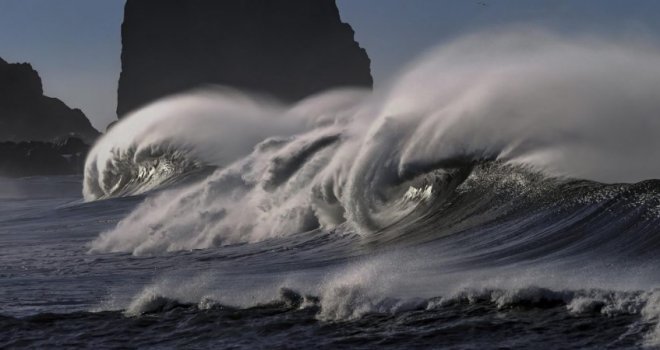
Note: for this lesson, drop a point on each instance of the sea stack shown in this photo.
(285, 49)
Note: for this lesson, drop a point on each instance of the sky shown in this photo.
(75, 44)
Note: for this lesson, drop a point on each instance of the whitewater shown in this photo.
(501, 192)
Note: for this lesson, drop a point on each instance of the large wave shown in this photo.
(506, 168)
(565, 108)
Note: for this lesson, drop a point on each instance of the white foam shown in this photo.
(579, 107)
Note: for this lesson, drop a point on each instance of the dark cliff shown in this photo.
(27, 115)
(39, 135)
(287, 49)
(30, 158)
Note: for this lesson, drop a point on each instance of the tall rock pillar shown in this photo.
(288, 49)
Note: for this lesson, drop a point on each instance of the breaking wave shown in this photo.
(505, 168)
(580, 108)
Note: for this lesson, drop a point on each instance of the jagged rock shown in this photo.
(287, 49)
(39, 135)
(31, 158)
(27, 115)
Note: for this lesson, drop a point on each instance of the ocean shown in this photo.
(502, 193)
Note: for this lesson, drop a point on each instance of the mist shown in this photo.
(568, 108)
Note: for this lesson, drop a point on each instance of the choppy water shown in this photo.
(555, 275)
(472, 204)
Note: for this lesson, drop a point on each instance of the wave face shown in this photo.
(503, 170)
(563, 108)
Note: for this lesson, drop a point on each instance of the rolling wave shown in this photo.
(501, 167)
(580, 108)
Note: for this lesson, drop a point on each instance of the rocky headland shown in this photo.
(39, 135)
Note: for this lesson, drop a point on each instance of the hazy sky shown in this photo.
(75, 44)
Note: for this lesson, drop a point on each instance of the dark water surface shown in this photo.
(471, 269)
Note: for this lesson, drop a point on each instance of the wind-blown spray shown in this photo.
(578, 108)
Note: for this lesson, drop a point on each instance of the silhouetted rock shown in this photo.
(288, 49)
(37, 132)
(27, 115)
(31, 158)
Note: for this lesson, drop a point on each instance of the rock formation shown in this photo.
(39, 135)
(30, 158)
(27, 115)
(287, 49)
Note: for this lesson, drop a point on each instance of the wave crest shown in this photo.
(535, 103)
